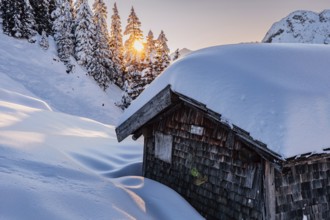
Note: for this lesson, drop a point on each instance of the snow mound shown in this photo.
(301, 27)
(55, 165)
(280, 93)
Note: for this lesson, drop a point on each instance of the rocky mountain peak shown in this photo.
(301, 27)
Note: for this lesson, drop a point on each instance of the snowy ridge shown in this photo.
(301, 27)
(57, 165)
(279, 93)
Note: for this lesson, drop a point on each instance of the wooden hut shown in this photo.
(278, 93)
(221, 170)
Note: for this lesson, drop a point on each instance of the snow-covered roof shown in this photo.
(280, 93)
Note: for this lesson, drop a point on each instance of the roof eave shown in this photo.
(152, 108)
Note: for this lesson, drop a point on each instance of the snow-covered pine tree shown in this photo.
(5, 16)
(162, 56)
(150, 47)
(51, 7)
(101, 67)
(133, 31)
(11, 23)
(41, 15)
(125, 99)
(116, 46)
(176, 54)
(73, 13)
(44, 44)
(132, 57)
(0, 11)
(29, 23)
(18, 20)
(77, 5)
(136, 83)
(62, 28)
(149, 74)
(84, 34)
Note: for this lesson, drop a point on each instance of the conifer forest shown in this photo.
(81, 32)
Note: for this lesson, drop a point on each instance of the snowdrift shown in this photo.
(280, 93)
(57, 164)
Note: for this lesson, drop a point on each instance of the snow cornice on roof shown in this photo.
(279, 93)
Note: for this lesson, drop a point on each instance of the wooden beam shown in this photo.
(269, 185)
(152, 108)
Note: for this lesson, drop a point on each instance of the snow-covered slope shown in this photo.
(301, 27)
(41, 75)
(58, 166)
(280, 93)
(55, 165)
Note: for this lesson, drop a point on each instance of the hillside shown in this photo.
(58, 157)
(40, 74)
(301, 27)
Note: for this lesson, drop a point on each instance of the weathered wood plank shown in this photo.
(269, 183)
(152, 108)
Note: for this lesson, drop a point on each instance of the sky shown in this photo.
(196, 24)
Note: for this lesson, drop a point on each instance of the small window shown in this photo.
(163, 147)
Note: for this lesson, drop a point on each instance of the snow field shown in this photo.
(55, 163)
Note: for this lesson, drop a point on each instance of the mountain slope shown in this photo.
(41, 75)
(301, 27)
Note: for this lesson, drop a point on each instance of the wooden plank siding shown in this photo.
(221, 170)
(234, 187)
(303, 188)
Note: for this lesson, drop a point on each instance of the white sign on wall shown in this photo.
(196, 130)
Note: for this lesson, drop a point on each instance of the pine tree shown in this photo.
(42, 16)
(176, 54)
(71, 3)
(131, 56)
(51, 7)
(18, 20)
(62, 28)
(162, 56)
(28, 22)
(116, 46)
(136, 84)
(15, 27)
(1, 12)
(126, 99)
(101, 68)
(84, 34)
(5, 15)
(150, 47)
(77, 5)
(44, 44)
(150, 50)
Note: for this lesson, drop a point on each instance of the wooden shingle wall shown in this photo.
(214, 171)
(303, 188)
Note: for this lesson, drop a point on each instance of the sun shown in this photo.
(138, 45)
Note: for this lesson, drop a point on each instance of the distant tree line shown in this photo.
(82, 33)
